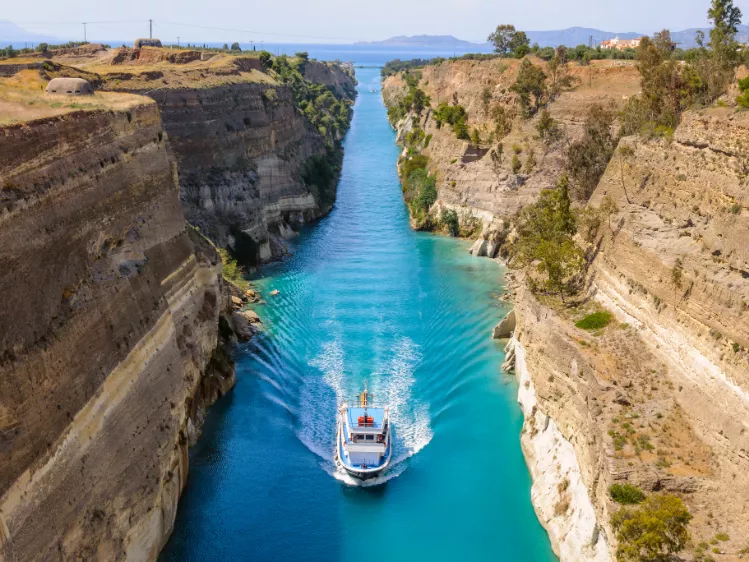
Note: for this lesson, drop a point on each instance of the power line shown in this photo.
(256, 32)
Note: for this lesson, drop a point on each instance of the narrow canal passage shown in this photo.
(366, 300)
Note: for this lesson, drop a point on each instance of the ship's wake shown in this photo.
(391, 384)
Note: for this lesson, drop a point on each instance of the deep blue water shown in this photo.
(366, 300)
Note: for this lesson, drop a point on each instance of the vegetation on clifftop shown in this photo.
(329, 113)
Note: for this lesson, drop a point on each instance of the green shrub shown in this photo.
(450, 222)
(232, 271)
(654, 530)
(414, 163)
(423, 188)
(626, 494)
(454, 115)
(595, 321)
(516, 164)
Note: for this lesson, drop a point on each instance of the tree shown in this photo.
(502, 38)
(545, 234)
(502, 121)
(653, 531)
(588, 158)
(266, 59)
(520, 44)
(304, 55)
(235, 46)
(725, 18)
(43, 47)
(530, 87)
(548, 128)
(558, 72)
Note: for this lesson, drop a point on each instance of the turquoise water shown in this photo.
(366, 300)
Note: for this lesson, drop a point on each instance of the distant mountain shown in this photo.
(574, 36)
(687, 38)
(571, 37)
(11, 34)
(443, 41)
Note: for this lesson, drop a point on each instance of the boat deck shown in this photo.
(377, 415)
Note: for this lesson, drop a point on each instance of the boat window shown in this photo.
(370, 437)
(360, 436)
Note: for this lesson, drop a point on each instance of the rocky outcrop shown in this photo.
(506, 327)
(109, 346)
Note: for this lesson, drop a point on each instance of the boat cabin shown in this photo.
(365, 435)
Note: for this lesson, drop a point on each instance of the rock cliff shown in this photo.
(468, 181)
(109, 347)
(244, 147)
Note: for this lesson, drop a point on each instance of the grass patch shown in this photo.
(232, 271)
(595, 321)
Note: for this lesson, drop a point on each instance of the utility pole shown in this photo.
(84, 32)
(178, 41)
(150, 29)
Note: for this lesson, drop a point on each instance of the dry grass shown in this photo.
(22, 98)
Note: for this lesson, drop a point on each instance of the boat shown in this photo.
(364, 444)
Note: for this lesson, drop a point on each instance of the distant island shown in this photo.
(442, 41)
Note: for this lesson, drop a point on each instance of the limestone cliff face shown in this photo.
(242, 150)
(677, 268)
(467, 180)
(659, 398)
(335, 76)
(563, 398)
(108, 336)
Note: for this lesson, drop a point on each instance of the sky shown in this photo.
(305, 21)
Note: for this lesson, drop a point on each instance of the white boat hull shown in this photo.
(342, 459)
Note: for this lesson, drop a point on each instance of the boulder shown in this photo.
(252, 316)
(236, 301)
(505, 328)
(242, 326)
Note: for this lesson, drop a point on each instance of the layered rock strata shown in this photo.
(109, 347)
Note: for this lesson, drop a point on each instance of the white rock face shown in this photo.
(505, 328)
(557, 480)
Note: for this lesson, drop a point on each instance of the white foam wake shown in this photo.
(392, 385)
